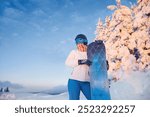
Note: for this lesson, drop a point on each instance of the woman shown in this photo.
(79, 80)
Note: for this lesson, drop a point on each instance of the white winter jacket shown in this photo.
(80, 72)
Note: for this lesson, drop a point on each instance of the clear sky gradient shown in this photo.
(37, 35)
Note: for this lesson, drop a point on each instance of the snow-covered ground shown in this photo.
(7, 96)
(133, 86)
(38, 95)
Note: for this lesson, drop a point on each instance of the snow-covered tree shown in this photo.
(6, 90)
(99, 29)
(127, 37)
(1, 90)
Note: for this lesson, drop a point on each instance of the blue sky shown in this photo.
(37, 35)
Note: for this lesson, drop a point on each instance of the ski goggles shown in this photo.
(81, 41)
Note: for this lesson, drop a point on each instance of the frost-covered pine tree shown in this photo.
(99, 29)
(1, 90)
(127, 37)
(141, 34)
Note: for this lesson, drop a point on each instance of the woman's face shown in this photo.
(81, 47)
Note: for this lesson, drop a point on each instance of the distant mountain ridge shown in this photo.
(4, 84)
(54, 91)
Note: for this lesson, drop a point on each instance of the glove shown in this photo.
(84, 61)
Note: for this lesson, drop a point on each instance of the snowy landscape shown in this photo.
(134, 86)
(126, 35)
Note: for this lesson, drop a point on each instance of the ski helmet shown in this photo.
(81, 38)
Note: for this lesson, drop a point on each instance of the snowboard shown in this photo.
(96, 53)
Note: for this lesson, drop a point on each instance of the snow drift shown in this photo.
(132, 86)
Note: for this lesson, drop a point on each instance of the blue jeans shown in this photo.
(74, 88)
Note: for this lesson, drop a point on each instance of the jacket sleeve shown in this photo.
(71, 61)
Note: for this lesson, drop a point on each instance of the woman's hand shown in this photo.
(82, 47)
